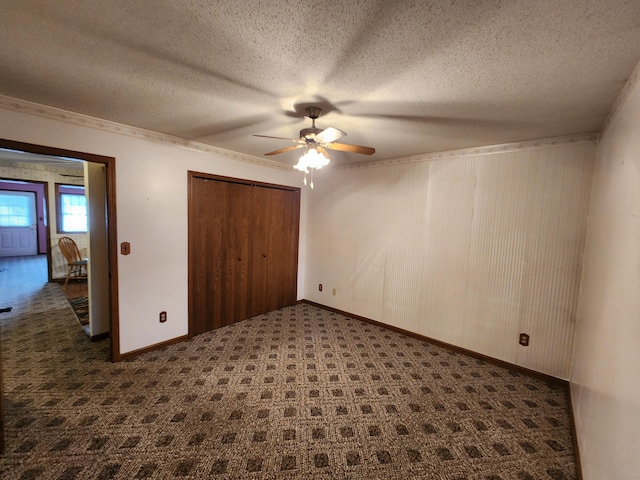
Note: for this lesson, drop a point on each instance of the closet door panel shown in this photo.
(221, 253)
(275, 249)
(207, 240)
(237, 253)
(286, 254)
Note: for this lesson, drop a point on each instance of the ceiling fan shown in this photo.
(319, 138)
(317, 141)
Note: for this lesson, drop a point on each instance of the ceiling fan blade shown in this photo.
(329, 135)
(282, 150)
(294, 140)
(322, 150)
(345, 147)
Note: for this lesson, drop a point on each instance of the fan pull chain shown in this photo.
(305, 178)
(311, 184)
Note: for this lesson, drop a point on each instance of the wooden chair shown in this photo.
(76, 264)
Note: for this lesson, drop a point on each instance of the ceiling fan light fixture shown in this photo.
(314, 158)
(301, 165)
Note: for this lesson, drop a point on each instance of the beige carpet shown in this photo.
(299, 393)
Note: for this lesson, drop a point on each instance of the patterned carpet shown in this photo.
(297, 393)
(80, 307)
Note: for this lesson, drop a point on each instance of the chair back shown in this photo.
(69, 249)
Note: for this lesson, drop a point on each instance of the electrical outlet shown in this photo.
(163, 317)
(524, 339)
(319, 287)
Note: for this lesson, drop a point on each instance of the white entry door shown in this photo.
(18, 229)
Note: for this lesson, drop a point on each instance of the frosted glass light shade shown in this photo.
(313, 159)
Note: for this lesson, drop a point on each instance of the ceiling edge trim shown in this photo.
(624, 93)
(53, 113)
(491, 149)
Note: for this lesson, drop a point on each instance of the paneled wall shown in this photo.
(12, 170)
(469, 249)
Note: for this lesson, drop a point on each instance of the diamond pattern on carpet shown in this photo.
(297, 393)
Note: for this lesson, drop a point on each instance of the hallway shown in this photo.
(21, 278)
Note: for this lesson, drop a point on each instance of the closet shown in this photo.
(243, 249)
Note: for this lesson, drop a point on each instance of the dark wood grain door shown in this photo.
(243, 250)
(276, 216)
(237, 252)
(220, 255)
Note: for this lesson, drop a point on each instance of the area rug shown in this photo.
(80, 307)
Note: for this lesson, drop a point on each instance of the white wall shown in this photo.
(152, 213)
(605, 381)
(469, 249)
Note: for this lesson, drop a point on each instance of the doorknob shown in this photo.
(264, 255)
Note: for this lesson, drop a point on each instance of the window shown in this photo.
(16, 209)
(72, 209)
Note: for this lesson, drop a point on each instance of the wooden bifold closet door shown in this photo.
(243, 250)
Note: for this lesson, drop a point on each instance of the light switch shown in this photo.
(125, 248)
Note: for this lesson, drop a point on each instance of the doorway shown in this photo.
(107, 249)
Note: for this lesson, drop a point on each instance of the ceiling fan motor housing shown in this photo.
(313, 112)
(311, 132)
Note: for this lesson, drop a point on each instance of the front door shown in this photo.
(18, 228)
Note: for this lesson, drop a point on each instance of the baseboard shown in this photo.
(501, 363)
(98, 337)
(151, 348)
(574, 436)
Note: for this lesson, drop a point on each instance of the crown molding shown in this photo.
(628, 86)
(492, 149)
(53, 113)
(24, 106)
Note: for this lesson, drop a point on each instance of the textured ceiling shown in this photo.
(406, 77)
